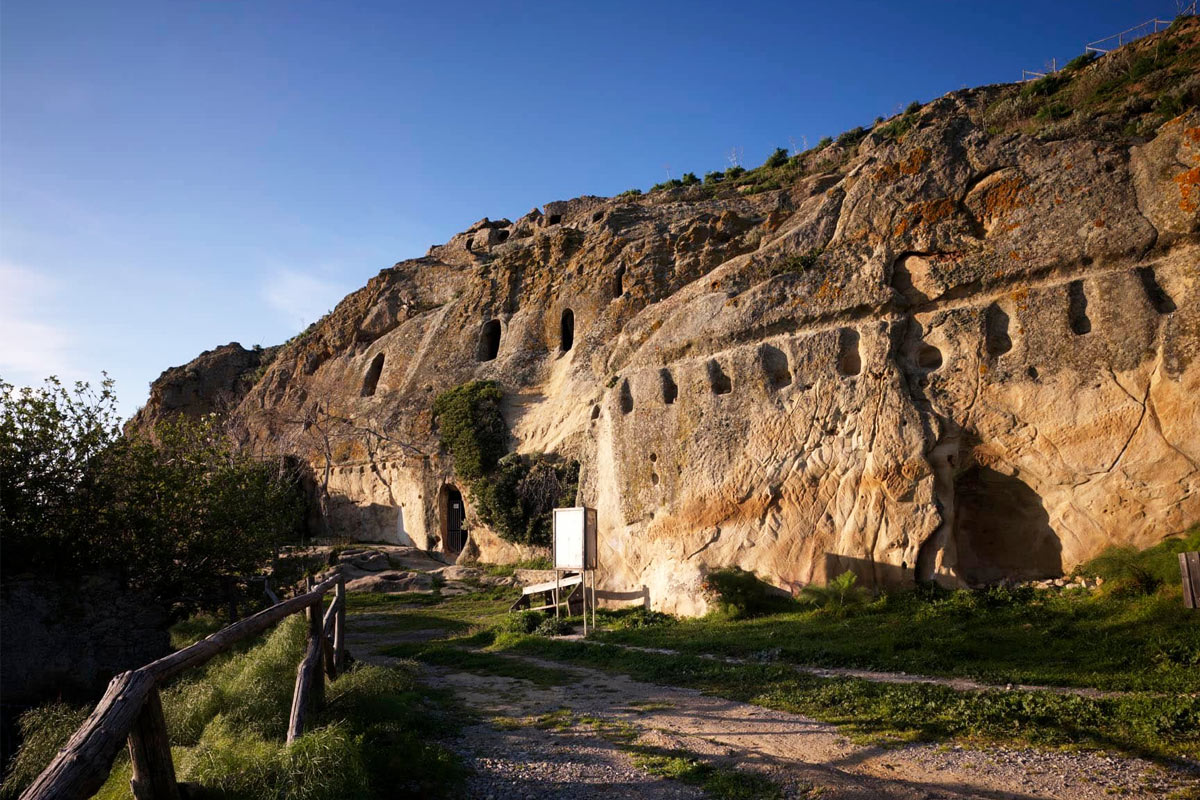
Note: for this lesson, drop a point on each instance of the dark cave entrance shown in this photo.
(489, 340)
(452, 514)
(1001, 529)
(566, 330)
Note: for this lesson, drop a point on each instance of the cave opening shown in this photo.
(489, 340)
(775, 367)
(626, 398)
(849, 362)
(371, 379)
(1158, 297)
(1077, 309)
(669, 390)
(566, 330)
(718, 381)
(618, 282)
(1001, 529)
(995, 331)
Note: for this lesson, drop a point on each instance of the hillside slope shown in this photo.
(959, 345)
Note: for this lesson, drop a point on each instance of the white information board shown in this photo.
(575, 538)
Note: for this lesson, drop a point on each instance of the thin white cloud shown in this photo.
(300, 297)
(33, 344)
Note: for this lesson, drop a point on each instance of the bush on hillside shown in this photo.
(777, 159)
(521, 622)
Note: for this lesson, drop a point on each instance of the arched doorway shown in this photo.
(452, 514)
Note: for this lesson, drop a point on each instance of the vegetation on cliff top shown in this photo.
(1124, 94)
(514, 493)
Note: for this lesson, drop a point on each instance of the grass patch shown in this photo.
(369, 601)
(719, 782)
(374, 738)
(1104, 641)
(1148, 725)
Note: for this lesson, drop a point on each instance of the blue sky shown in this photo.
(176, 175)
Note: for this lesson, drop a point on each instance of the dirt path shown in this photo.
(548, 742)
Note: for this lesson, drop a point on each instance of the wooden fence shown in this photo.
(132, 711)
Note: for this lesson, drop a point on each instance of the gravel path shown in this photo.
(513, 758)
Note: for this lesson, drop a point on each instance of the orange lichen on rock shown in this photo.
(1005, 196)
(1189, 189)
(910, 165)
(923, 214)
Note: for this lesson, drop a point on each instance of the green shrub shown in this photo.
(636, 619)
(471, 427)
(1053, 111)
(837, 597)
(672, 183)
(554, 626)
(913, 107)
(689, 179)
(44, 730)
(824, 142)
(1045, 86)
(851, 137)
(631, 193)
(734, 172)
(797, 263)
(517, 497)
(714, 177)
(777, 159)
(741, 594)
(522, 622)
(1080, 61)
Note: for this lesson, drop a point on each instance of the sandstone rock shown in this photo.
(391, 581)
(988, 370)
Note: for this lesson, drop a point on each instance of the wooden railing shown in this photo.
(132, 711)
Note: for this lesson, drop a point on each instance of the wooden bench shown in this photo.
(573, 599)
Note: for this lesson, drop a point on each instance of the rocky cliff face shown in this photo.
(959, 346)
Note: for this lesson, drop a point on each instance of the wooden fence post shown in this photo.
(1189, 571)
(339, 625)
(316, 635)
(150, 754)
(310, 682)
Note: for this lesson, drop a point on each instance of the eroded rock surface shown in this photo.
(952, 354)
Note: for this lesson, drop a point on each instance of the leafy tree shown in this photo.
(50, 439)
(169, 514)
